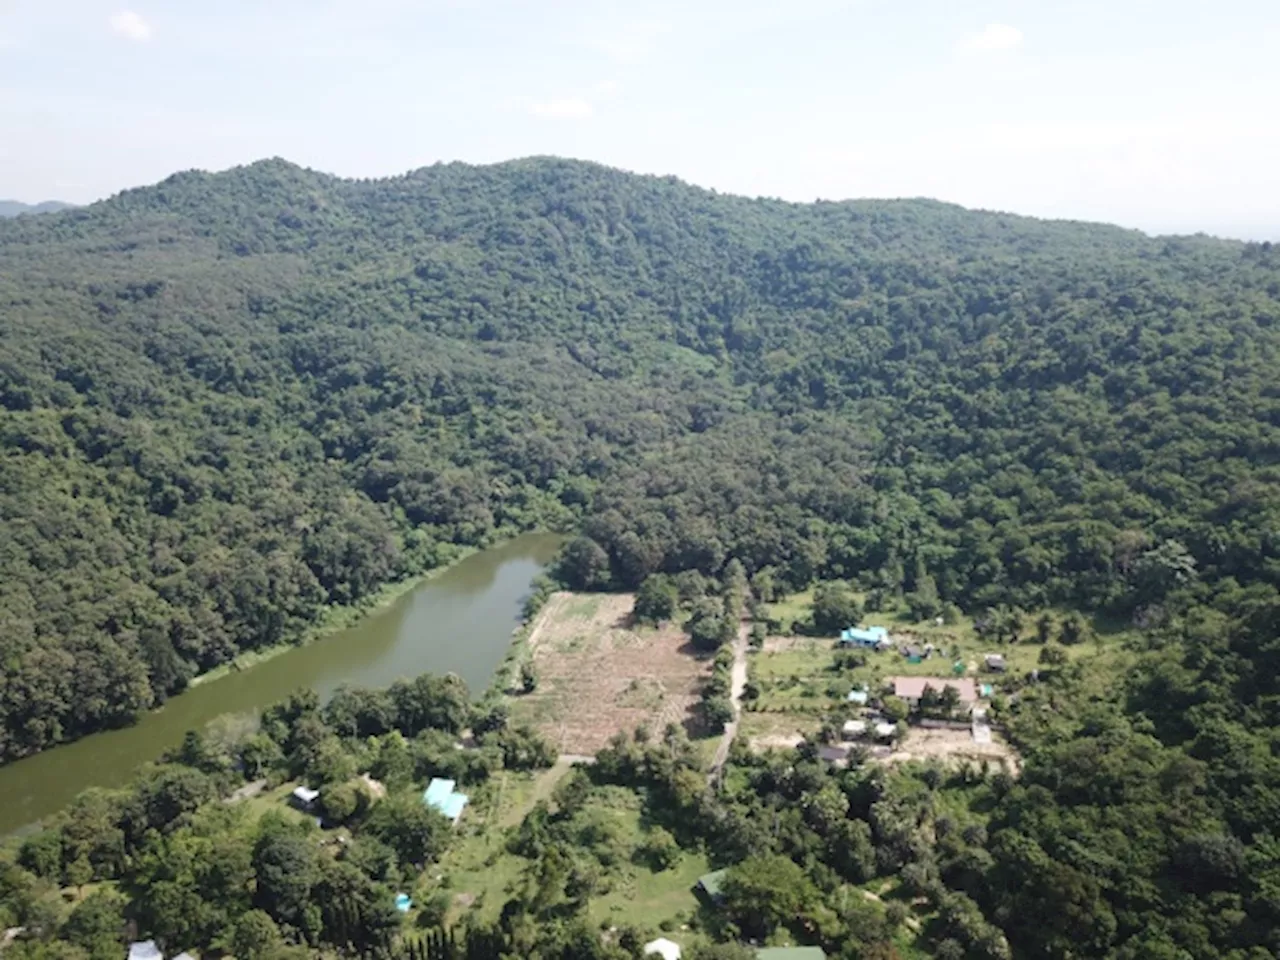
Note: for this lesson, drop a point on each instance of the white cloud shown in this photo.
(565, 108)
(630, 42)
(992, 38)
(130, 25)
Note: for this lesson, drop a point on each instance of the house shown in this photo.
(885, 730)
(144, 950)
(995, 662)
(304, 797)
(865, 636)
(791, 953)
(667, 949)
(853, 729)
(911, 689)
(711, 885)
(441, 795)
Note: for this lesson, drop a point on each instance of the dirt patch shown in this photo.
(598, 675)
(955, 746)
(776, 741)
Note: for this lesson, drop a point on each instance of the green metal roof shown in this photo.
(713, 883)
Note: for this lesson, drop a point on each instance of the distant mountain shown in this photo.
(15, 208)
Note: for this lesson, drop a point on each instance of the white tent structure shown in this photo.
(667, 949)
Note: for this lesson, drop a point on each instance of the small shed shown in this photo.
(442, 795)
(662, 947)
(404, 903)
(144, 950)
(859, 697)
(995, 662)
(853, 729)
(711, 885)
(304, 796)
(833, 754)
(886, 730)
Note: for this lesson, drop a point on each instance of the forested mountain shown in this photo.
(229, 400)
(15, 208)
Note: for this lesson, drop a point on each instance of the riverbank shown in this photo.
(340, 617)
(457, 618)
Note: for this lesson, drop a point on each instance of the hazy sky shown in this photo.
(1162, 115)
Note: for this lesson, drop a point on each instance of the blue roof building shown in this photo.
(865, 637)
(441, 795)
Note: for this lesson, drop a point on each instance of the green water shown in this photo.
(459, 621)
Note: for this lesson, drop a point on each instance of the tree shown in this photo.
(656, 600)
(255, 937)
(765, 892)
(834, 608)
(583, 565)
(284, 862)
(895, 709)
(97, 925)
(79, 872)
(660, 849)
(1073, 630)
(717, 712)
(528, 677)
(1044, 628)
(1052, 655)
(706, 626)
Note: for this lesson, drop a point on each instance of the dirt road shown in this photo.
(737, 683)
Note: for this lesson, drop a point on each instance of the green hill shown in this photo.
(229, 400)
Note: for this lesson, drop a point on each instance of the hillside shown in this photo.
(230, 400)
(15, 208)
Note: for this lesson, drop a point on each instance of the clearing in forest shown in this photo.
(599, 674)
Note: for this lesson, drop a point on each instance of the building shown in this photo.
(791, 953)
(144, 950)
(853, 729)
(667, 949)
(865, 636)
(858, 697)
(911, 689)
(711, 885)
(441, 795)
(885, 730)
(995, 662)
(304, 797)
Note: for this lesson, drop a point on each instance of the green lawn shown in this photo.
(803, 682)
(482, 875)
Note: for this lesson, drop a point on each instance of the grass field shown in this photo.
(598, 674)
(801, 679)
(480, 874)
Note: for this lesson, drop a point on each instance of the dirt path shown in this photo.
(737, 683)
(546, 615)
(912, 923)
(543, 788)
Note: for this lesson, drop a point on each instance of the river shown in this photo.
(460, 620)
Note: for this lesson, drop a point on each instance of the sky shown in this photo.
(1159, 115)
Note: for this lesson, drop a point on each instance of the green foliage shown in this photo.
(656, 600)
(230, 401)
(835, 608)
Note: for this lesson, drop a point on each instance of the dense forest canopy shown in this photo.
(228, 401)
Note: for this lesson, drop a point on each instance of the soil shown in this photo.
(598, 674)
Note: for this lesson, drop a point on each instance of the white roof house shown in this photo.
(854, 728)
(886, 730)
(306, 796)
(144, 950)
(667, 949)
